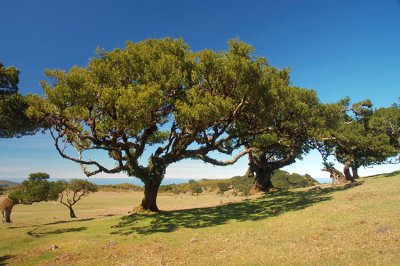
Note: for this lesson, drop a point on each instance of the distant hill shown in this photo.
(7, 183)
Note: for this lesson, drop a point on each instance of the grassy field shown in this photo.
(352, 225)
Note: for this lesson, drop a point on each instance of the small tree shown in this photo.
(1, 190)
(35, 189)
(73, 192)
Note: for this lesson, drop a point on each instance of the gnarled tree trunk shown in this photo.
(149, 202)
(354, 170)
(262, 180)
(72, 212)
(346, 171)
(6, 209)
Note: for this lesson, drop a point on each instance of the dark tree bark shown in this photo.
(6, 209)
(149, 202)
(262, 181)
(346, 171)
(7, 215)
(72, 212)
(354, 170)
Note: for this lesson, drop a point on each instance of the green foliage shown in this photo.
(14, 121)
(9, 79)
(1, 190)
(80, 185)
(35, 189)
(153, 93)
(242, 184)
(184, 105)
(358, 142)
(387, 121)
(283, 180)
(222, 187)
(69, 193)
(285, 119)
(195, 188)
(120, 187)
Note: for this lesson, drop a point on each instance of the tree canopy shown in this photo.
(353, 141)
(154, 95)
(13, 119)
(35, 189)
(158, 100)
(286, 119)
(9, 79)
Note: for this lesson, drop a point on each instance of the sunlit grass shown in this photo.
(354, 225)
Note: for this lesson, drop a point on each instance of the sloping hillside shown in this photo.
(7, 183)
(351, 225)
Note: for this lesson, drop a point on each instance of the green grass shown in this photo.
(352, 225)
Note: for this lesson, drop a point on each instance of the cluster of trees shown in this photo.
(159, 99)
(37, 188)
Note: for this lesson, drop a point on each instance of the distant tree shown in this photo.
(35, 189)
(242, 184)
(195, 188)
(354, 143)
(222, 187)
(13, 119)
(1, 190)
(73, 191)
(154, 93)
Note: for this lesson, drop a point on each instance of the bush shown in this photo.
(242, 184)
(195, 188)
(222, 187)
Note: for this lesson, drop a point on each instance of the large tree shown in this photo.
(286, 117)
(13, 119)
(153, 99)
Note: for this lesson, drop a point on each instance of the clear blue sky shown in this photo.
(336, 47)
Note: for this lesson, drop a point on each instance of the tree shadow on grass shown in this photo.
(41, 232)
(4, 259)
(269, 205)
(52, 223)
(70, 221)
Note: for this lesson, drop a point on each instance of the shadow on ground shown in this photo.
(70, 221)
(264, 207)
(42, 231)
(4, 259)
(53, 223)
